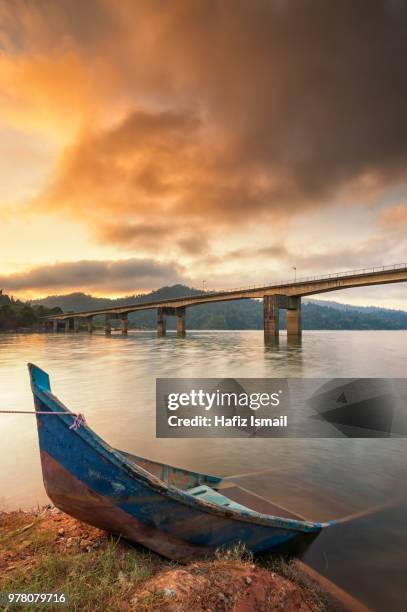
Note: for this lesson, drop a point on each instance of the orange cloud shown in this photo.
(51, 79)
(202, 118)
(153, 175)
(51, 94)
(395, 217)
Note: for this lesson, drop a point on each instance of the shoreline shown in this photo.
(48, 551)
(283, 330)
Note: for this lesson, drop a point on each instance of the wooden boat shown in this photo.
(177, 513)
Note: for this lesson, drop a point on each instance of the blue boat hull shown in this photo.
(97, 484)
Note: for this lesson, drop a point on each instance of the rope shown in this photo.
(35, 412)
(79, 418)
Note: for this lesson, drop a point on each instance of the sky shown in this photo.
(215, 143)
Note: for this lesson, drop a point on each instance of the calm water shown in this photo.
(112, 381)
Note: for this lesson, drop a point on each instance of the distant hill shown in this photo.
(18, 315)
(239, 314)
(340, 306)
(74, 302)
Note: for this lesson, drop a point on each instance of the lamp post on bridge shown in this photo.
(203, 286)
(295, 273)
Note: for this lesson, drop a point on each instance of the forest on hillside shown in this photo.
(19, 315)
(239, 314)
(248, 314)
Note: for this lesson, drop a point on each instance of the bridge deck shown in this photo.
(301, 287)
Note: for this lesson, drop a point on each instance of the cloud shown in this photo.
(380, 249)
(395, 218)
(368, 253)
(47, 82)
(125, 275)
(200, 116)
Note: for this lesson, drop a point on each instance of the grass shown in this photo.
(51, 552)
(287, 567)
(107, 576)
(238, 552)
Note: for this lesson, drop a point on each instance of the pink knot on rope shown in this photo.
(79, 420)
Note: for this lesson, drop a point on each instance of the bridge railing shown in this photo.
(248, 288)
(307, 279)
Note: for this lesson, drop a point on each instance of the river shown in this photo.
(112, 381)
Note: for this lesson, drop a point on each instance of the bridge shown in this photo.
(280, 295)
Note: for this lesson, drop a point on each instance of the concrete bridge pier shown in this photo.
(55, 325)
(294, 329)
(108, 325)
(271, 318)
(271, 305)
(161, 322)
(48, 326)
(181, 327)
(89, 324)
(124, 323)
(67, 325)
(76, 322)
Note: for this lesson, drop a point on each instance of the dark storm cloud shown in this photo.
(235, 111)
(121, 275)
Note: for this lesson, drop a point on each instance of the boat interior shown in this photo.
(220, 491)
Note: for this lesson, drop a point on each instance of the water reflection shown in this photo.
(112, 381)
(287, 351)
